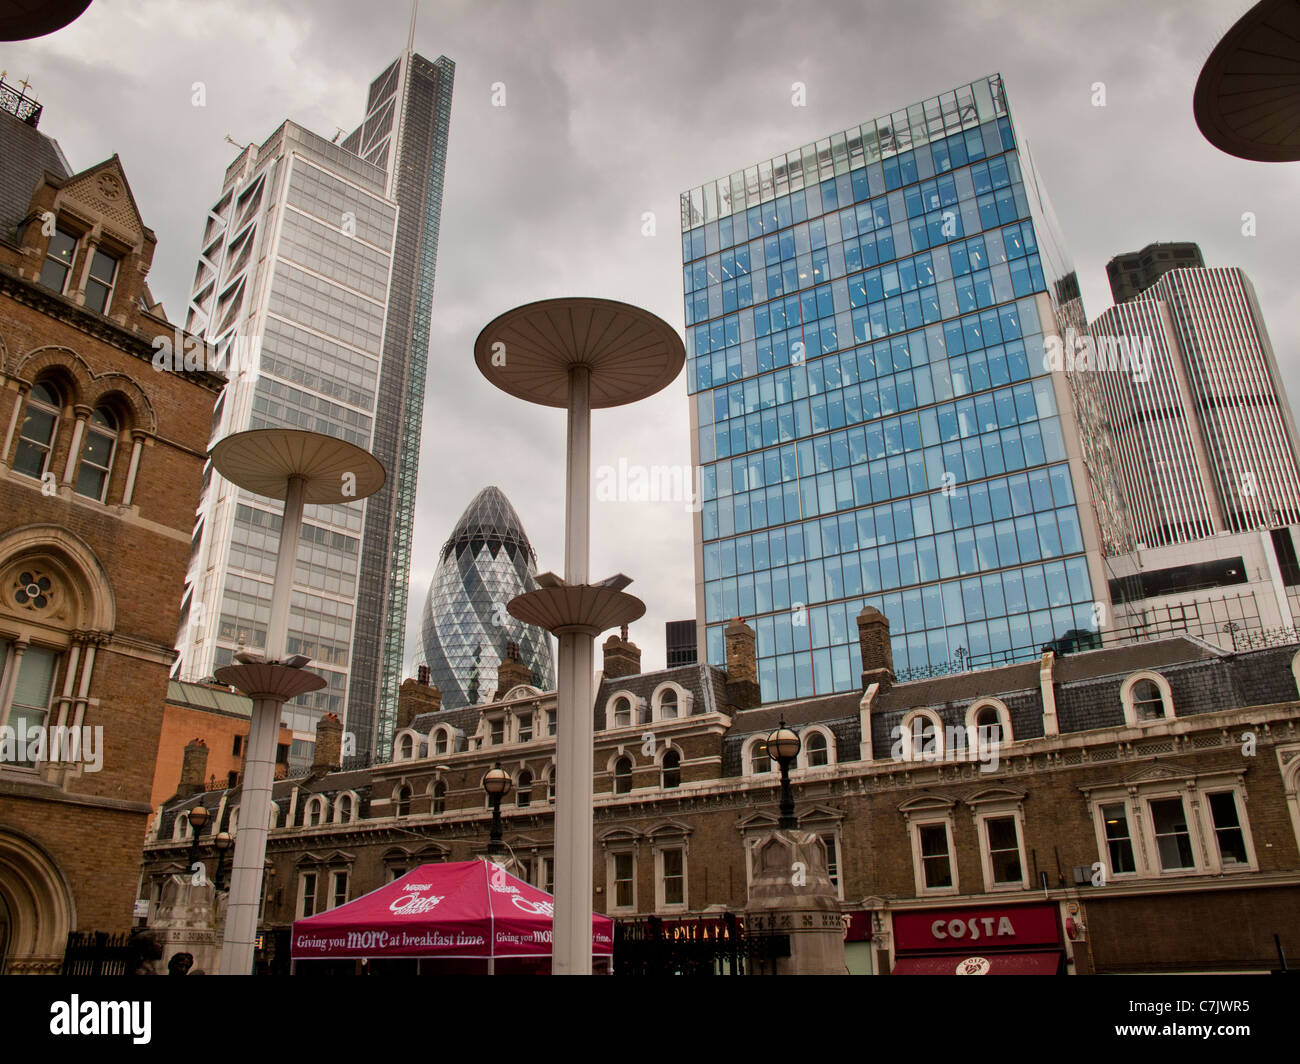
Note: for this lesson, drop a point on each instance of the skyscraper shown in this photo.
(486, 561)
(321, 256)
(1203, 425)
(1134, 272)
(871, 409)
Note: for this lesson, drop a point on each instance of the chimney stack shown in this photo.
(194, 769)
(877, 651)
(511, 672)
(622, 657)
(415, 697)
(742, 665)
(329, 745)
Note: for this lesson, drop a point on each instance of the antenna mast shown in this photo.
(410, 39)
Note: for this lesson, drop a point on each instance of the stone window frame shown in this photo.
(301, 898)
(671, 837)
(660, 755)
(747, 757)
(1130, 708)
(1004, 720)
(1194, 791)
(548, 775)
(801, 762)
(615, 843)
(448, 735)
(906, 737)
(353, 808)
(401, 786)
(437, 795)
(406, 745)
(685, 702)
(518, 790)
(1288, 763)
(998, 804)
(612, 768)
(925, 811)
(333, 873)
(635, 704)
(317, 805)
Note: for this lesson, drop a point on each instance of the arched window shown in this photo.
(438, 803)
(403, 801)
(405, 748)
(440, 741)
(759, 762)
(988, 725)
(40, 425)
(315, 812)
(815, 747)
(97, 452)
(622, 713)
(524, 789)
(922, 737)
(668, 705)
(1148, 701)
(623, 775)
(550, 784)
(345, 809)
(672, 770)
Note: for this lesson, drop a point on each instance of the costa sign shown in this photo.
(1011, 927)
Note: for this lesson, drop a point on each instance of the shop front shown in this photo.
(983, 940)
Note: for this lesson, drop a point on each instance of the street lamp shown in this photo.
(198, 820)
(783, 744)
(222, 842)
(497, 785)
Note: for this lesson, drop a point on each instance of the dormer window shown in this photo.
(1148, 703)
(1146, 698)
(58, 260)
(498, 731)
(99, 285)
(622, 713)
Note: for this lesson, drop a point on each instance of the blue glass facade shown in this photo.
(872, 417)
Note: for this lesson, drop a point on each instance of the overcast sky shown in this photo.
(613, 109)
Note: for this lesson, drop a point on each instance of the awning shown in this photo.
(465, 909)
(1041, 963)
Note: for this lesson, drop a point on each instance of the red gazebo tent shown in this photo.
(458, 911)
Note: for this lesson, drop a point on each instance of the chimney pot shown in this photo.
(621, 657)
(877, 650)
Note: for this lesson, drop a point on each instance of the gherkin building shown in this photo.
(485, 563)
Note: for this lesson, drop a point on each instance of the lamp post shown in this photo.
(783, 744)
(302, 468)
(222, 842)
(497, 785)
(578, 354)
(198, 819)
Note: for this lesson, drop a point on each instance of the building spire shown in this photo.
(410, 37)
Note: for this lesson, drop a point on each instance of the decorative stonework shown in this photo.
(33, 590)
(110, 187)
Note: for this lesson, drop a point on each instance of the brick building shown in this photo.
(1128, 809)
(99, 477)
(219, 718)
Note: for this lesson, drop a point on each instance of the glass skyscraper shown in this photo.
(486, 561)
(319, 257)
(866, 320)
